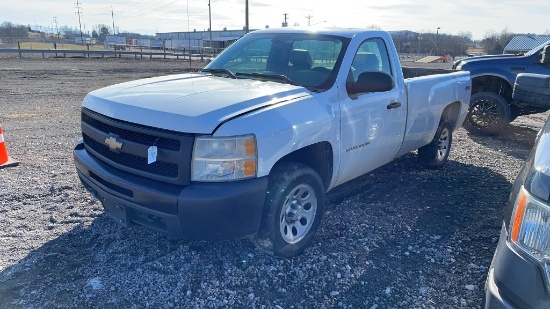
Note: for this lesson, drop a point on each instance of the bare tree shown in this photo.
(466, 35)
(11, 32)
(494, 42)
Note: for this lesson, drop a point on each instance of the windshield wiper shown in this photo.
(223, 71)
(272, 77)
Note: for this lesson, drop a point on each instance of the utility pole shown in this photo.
(285, 24)
(246, 18)
(210, 25)
(79, 12)
(419, 39)
(189, 32)
(436, 37)
(309, 17)
(113, 16)
(56, 29)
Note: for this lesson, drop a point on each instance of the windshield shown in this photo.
(537, 49)
(305, 59)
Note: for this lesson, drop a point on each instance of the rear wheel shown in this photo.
(488, 113)
(436, 153)
(293, 209)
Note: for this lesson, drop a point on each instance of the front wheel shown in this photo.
(488, 113)
(293, 209)
(436, 153)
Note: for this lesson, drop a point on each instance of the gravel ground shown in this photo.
(399, 237)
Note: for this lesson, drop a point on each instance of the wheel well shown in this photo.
(318, 156)
(451, 113)
(494, 84)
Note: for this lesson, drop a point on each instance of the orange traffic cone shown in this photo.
(5, 160)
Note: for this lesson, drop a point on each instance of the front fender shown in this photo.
(507, 76)
(288, 126)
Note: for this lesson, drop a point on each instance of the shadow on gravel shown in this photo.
(514, 140)
(105, 265)
(426, 232)
(403, 228)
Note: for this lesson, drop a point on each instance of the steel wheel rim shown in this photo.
(298, 213)
(443, 144)
(484, 113)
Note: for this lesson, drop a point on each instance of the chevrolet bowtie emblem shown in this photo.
(113, 143)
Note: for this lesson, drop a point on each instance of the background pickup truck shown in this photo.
(249, 146)
(493, 77)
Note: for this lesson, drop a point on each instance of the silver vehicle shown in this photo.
(519, 276)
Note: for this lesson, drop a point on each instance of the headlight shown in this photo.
(530, 230)
(224, 158)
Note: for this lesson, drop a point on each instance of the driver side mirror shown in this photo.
(370, 82)
(545, 55)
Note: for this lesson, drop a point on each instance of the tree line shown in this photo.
(406, 42)
(10, 32)
(493, 43)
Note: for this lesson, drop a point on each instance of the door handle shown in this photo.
(393, 105)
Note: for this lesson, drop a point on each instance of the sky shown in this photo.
(152, 16)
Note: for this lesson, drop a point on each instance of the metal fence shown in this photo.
(12, 41)
(59, 53)
(46, 43)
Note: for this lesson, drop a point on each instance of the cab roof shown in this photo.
(343, 32)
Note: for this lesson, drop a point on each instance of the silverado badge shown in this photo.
(113, 144)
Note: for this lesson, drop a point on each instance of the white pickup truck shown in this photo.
(248, 146)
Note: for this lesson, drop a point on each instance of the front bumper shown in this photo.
(205, 211)
(514, 282)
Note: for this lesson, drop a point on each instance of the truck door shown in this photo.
(373, 124)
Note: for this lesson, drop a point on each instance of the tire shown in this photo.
(435, 155)
(488, 113)
(293, 209)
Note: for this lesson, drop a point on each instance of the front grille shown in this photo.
(161, 142)
(174, 149)
(132, 161)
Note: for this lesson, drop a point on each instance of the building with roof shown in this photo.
(197, 41)
(524, 43)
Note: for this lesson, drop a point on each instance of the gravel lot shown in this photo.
(399, 237)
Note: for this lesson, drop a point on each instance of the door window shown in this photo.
(372, 55)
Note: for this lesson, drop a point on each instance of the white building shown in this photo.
(197, 41)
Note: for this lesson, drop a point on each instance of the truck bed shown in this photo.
(409, 72)
(426, 95)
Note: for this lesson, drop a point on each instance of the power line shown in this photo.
(143, 6)
(153, 6)
(146, 10)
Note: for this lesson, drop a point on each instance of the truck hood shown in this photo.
(490, 59)
(190, 103)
